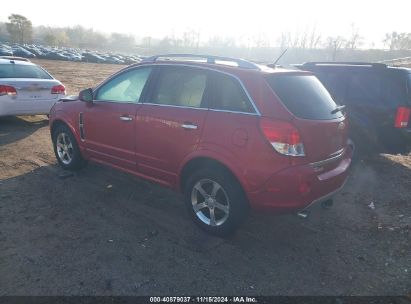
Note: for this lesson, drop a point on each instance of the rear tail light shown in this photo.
(7, 90)
(58, 89)
(283, 136)
(403, 117)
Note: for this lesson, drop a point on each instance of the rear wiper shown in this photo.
(338, 109)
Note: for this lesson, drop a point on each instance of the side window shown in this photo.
(365, 87)
(125, 88)
(229, 95)
(395, 89)
(180, 86)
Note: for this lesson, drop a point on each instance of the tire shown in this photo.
(215, 192)
(66, 149)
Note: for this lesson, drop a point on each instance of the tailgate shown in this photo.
(322, 139)
(322, 126)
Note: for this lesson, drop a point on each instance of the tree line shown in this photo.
(19, 29)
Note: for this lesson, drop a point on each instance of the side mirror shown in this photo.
(86, 95)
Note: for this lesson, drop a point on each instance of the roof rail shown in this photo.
(372, 64)
(14, 58)
(210, 59)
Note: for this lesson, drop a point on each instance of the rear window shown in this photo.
(304, 96)
(22, 71)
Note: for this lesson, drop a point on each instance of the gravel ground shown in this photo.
(103, 232)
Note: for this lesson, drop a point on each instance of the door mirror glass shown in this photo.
(86, 95)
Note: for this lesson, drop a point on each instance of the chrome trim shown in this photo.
(81, 126)
(340, 154)
(189, 126)
(194, 108)
(172, 106)
(257, 112)
(126, 118)
(235, 112)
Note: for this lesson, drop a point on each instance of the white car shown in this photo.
(26, 88)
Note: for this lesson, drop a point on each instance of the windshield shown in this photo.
(22, 71)
(304, 96)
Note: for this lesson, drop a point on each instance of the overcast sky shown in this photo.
(158, 18)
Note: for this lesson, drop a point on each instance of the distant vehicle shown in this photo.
(377, 99)
(21, 52)
(65, 53)
(5, 51)
(94, 58)
(229, 137)
(26, 88)
(55, 56)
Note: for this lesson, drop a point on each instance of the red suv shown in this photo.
(228, 133)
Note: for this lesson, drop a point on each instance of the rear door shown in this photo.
(109, 122)
(322, 127)
(171, 120)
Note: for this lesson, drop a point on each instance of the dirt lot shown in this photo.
(78, 75)
(102, 232)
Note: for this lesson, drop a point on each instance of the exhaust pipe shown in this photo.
(327, 204)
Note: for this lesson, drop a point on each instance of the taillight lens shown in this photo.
(283, 136)
(403, 117)
(7, 90)
(58, 89)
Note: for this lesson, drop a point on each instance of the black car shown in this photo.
(377, 99)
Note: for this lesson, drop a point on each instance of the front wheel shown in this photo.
(215, 201)
(66, 149)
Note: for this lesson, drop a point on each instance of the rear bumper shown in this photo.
(298, 187)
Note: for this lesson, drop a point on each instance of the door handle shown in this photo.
(189, 126)
(126, 118)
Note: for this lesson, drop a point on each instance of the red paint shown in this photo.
(154, 145)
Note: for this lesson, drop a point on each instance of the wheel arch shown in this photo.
(61, 121)
(198, 162)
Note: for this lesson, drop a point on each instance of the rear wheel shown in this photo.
(66, 149)
(215, 201)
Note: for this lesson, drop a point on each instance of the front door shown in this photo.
(109, 126)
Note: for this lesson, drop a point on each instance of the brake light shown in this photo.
(7, 90)
(58, 89)
(402, 118)
(283, 137)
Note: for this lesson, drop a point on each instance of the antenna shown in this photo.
(279, 57)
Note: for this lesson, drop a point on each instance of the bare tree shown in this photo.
(314, 39)
(284, 40)
(355, 39)
(334, 44)
(398, 41)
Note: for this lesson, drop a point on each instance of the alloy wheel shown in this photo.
(210, 202)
